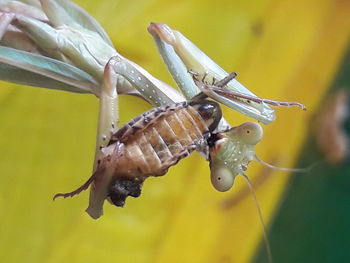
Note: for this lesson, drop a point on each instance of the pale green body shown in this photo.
(235, 155)
(232, 152)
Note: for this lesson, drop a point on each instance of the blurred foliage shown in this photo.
(315, 213)
(286, 50)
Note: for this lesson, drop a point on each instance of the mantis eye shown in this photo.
(221, 178)
(250, 132)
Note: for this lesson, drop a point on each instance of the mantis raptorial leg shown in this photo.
(195, 59)
(77, 39)
(216, 90)
(44, 27)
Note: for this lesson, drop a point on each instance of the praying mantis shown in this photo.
(44, 45)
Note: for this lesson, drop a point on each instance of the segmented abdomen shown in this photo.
(158, 139)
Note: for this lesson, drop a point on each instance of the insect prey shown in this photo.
(147, 146)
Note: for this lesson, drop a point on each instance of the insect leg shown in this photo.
(193, 58)
(5, 21)
(200, 96)
(108, 113)
(174, 64)
(226, 80)
(81, 188)
(228, 97)
(234, 95)
(204, 76)
(180, 71)
(153, 90)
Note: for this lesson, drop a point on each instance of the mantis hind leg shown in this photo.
(5, 21)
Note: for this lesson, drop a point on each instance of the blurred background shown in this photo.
(285, 50)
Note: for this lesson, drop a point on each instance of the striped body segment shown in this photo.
(154, 141)
(147, 146)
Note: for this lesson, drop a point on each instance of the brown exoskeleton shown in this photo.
(147, 146)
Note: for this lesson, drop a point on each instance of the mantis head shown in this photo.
(231, 152)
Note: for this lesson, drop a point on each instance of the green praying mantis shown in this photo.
(55, 44)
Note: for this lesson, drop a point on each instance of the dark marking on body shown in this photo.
(123, 187)
(147, 120)
(213, 139)
(133, 121)
(157, 113)
(136, 128)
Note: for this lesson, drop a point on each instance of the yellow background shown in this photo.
(286, 50)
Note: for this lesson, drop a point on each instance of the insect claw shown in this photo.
(5, 21)
(234, 95)
(203, 79)
(79, 189)
(226, 80)
(282, 103)
(193, 73)
(200, 96)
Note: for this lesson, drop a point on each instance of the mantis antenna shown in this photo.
(295, 170)
(266, 239)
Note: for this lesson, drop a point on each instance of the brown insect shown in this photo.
(147, 146)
